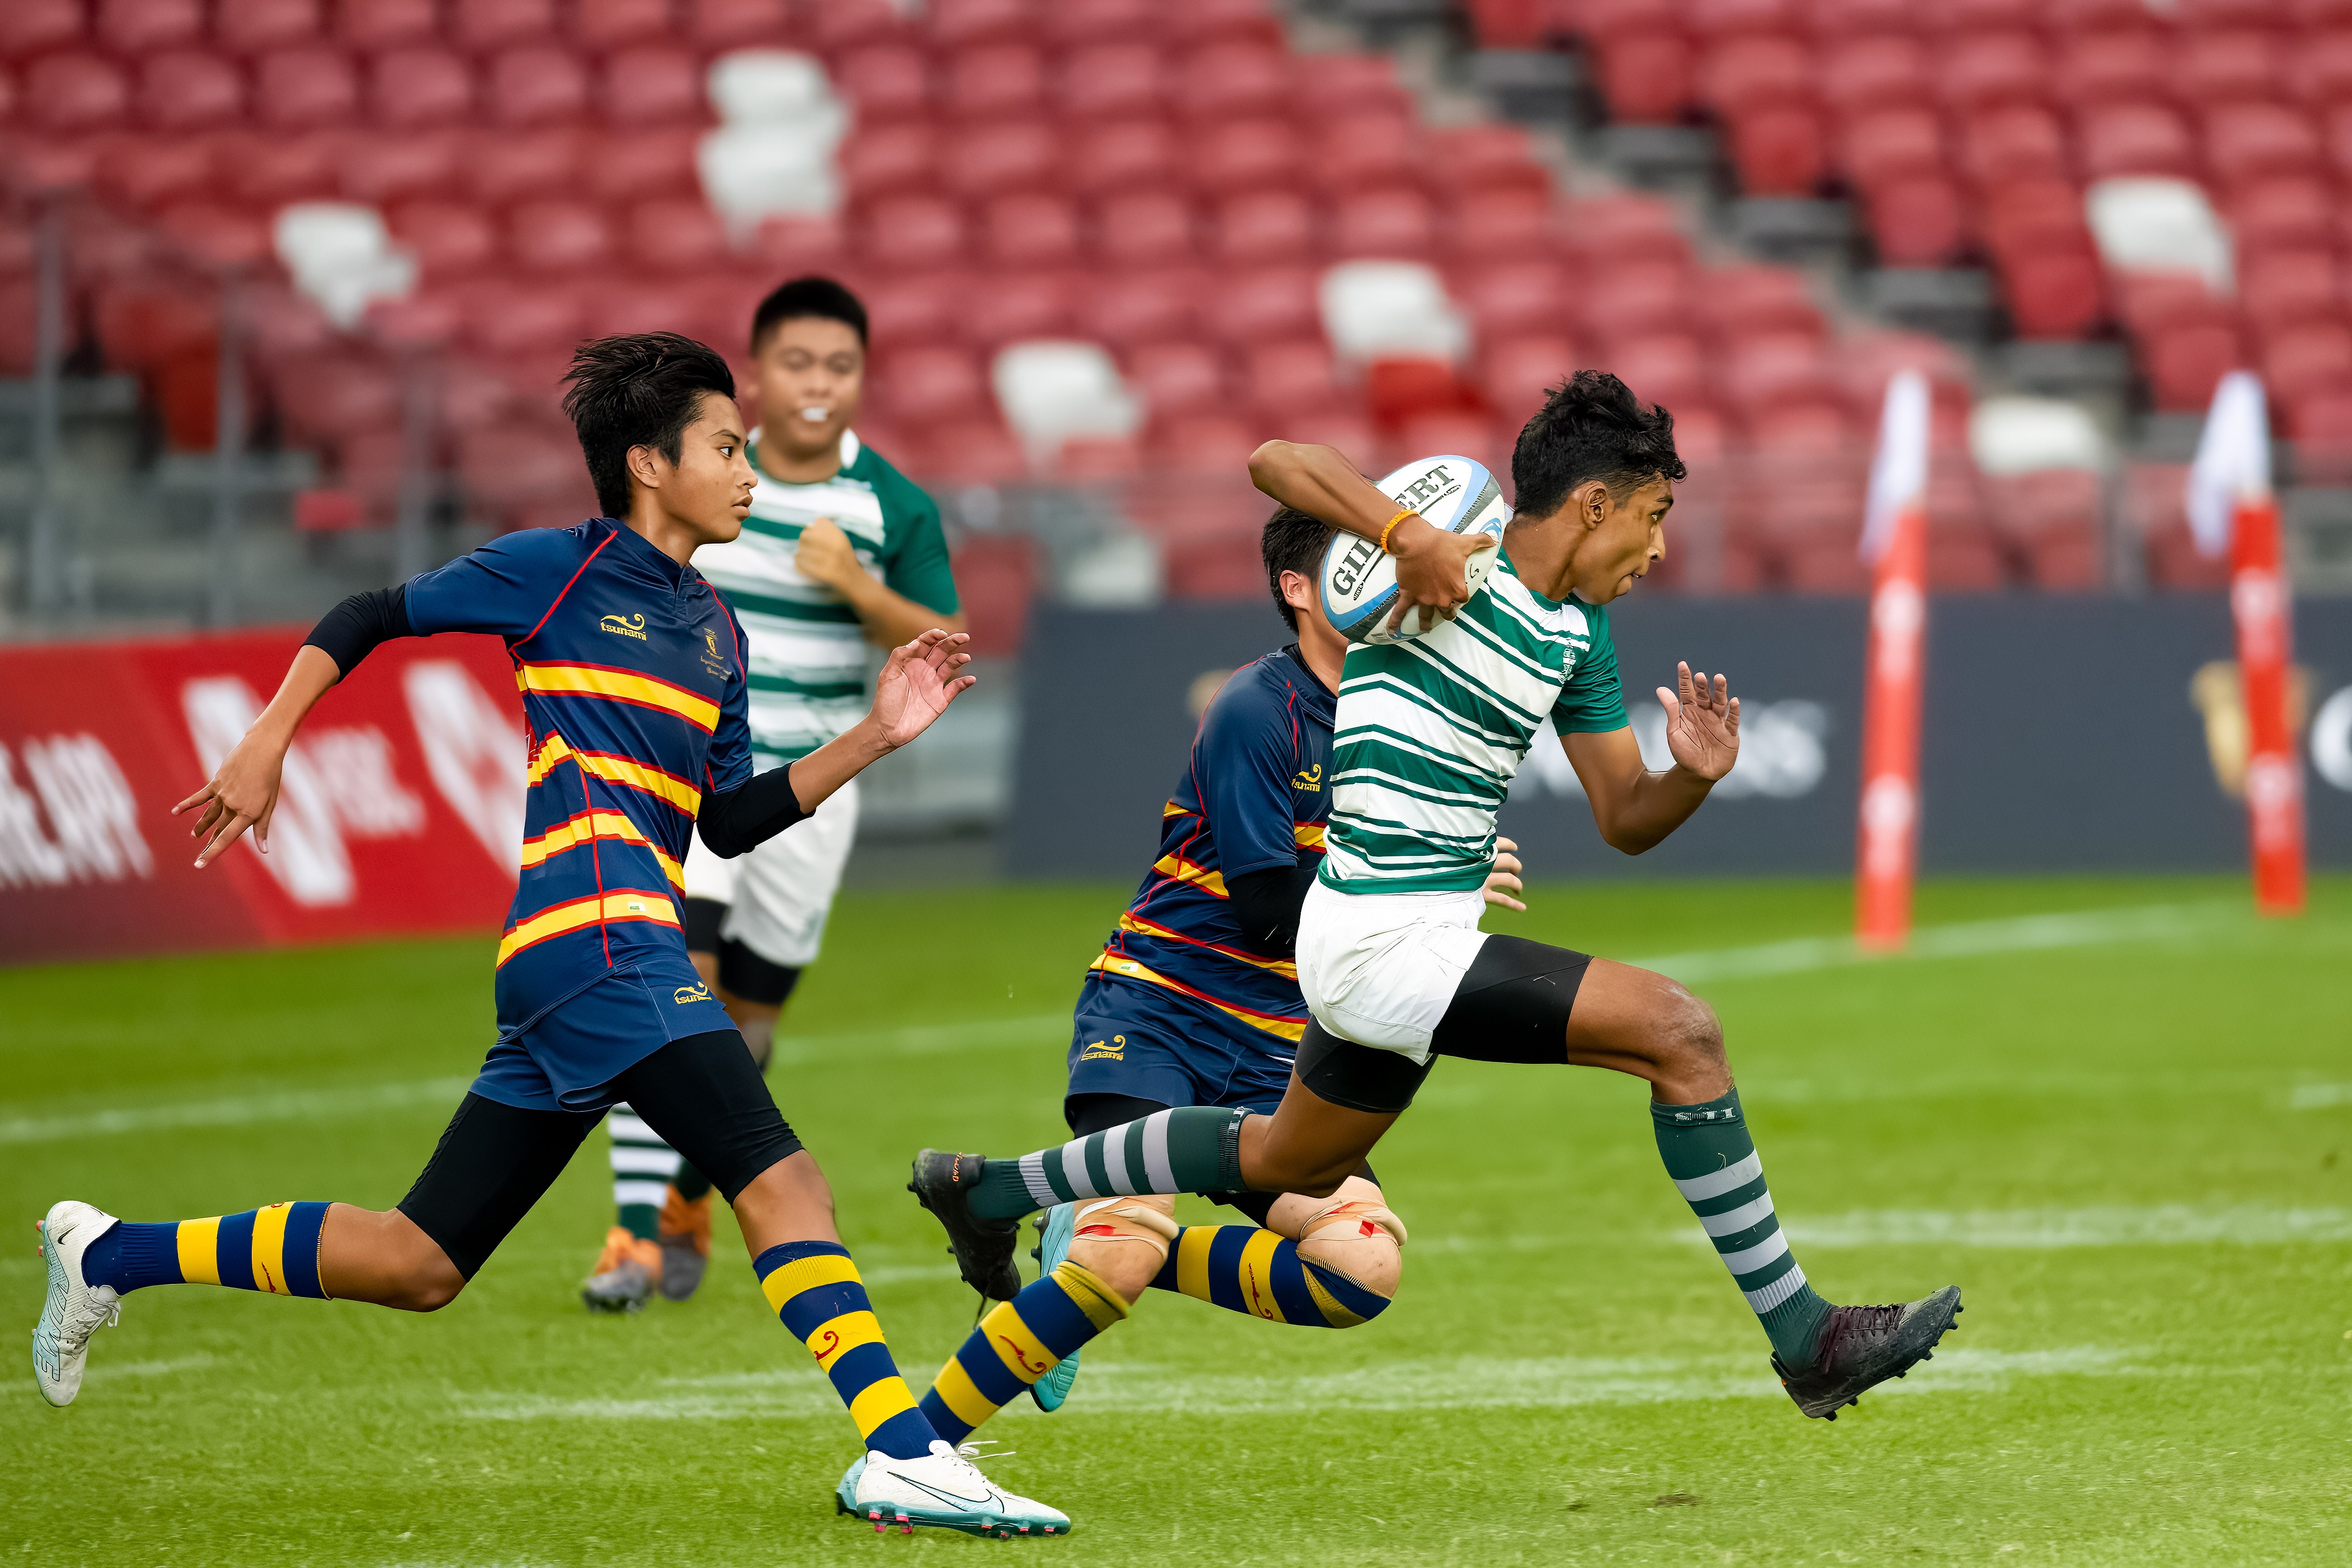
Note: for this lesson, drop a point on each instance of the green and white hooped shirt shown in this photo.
(1431, 732)
(808, 660)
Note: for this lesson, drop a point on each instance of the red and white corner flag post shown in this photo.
(2232, 509)
(1895, 542)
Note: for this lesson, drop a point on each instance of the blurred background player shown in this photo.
(1195, 1001)
(841, 551)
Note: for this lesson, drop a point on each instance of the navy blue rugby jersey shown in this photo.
(632, 676)
(1254, 795)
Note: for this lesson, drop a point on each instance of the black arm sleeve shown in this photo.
(733, 821)
(351, 631)
(1267, 903)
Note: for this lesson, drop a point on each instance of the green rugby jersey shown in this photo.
(807, 661)
(1430, 733)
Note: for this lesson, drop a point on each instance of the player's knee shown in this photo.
(1352, 1234)
(1123, 1242)
(427, 1283)
(1688, 1033)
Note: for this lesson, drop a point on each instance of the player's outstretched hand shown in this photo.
(1504, 879)
(1702, 724)
(1431, 570)
(243, 794)
(918, 682)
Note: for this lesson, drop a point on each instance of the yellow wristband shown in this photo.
(1391, 527)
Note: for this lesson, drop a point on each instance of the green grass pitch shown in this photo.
(2121, 1133)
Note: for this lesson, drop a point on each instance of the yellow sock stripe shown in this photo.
(960, 1393)
(1025, 1356)
(1192, 1261)
(1100, 1303)
(1257, 1276)
(270, 1249)
(1337, 1316)
(198, 1240)
(806, 1274)
(837, 1337)
(880, 1402)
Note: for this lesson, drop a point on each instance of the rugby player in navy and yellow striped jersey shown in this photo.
(1194, 1001)
(632, 681)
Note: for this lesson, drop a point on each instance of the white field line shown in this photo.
(1968, 939)
(2320, 1095)
(2158, 1224)
(1404, 1384)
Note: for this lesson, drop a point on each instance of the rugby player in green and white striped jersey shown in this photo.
(841, 551)
(1428, 735)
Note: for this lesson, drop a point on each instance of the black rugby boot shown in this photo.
(983, 1248)
(1863, 1346)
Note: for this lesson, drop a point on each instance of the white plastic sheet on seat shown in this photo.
(1383, 309)
(342, 256)
(771, 87)
(2034, 435)
(772, 153)
(1054, 390)
(2145, 224)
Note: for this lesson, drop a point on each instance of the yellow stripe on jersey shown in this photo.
(1175, 810)
(615, 770)
(619, 685)
(1306, 835)
(1110, 963)
(585, 825)
(1282, 966)
(1185, 871)
(628, 904)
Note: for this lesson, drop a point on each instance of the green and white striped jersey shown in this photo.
(1429, 733)
(808, 660)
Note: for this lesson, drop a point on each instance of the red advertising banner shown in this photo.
(401, 808)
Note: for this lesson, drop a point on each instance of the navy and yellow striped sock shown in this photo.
(1715, 1166)
(1247, 1269)
(273, 1249)
(815, 1289)
(1018, 1343)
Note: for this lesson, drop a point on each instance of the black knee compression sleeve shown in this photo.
(1357, 1076)
(1512, 1004)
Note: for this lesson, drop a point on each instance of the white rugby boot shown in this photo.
(75, 1309)
(945, 1490)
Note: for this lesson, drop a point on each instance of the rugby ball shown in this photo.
(1359, 580)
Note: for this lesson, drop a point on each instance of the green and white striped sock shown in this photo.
(1714, 1164)
(642, 1168)
(1191, 1149)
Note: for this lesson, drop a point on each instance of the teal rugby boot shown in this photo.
(1055, 1227)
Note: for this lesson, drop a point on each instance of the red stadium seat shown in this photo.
(2057, 295)
(329, 396)
(2313, 359)
(1806, 428)
(1718, 19)
(385, 171)
(636, 165)
(525, 473)
(2076, 15)
(2154, 303)
(1635, 301)
(1606, 19)
(2288, 213)
(2283, 291)
(1396, 224)
(1129, 309)
(1263, 226)
(1966, 560)
(1775, 368)
(914, 309)
(652, 84)
(1664, 368)
(2320, 65)
(386, 24)
(911, 234)
(144, 173)
(265, 172)
(1179, 379)
(1405, 389)
(249, 26)
(451, 242)
(2246, 141)
(611, 24)
(714, 25)
(974, 451)
(1082, 23)
(1226, 81)
(1875, 71)
(1487, 158)
(1746, 300)
(2019, 142)
(2050, 519)
(2036, 215)
(305, 89)
(991, 159)
(669, 235)
(2134, 139)
(1246, 155)
(1004, 82)
(1324, 88)
(1125, 154)
(186, 91)
(971, 24)
(2242, 13)
(841, 24)
(1145, 228)
(211, 234)
(484, 26)
(2106, 68)
(1979, 70)
(504, 166)
(1265, 303)
(1916, 220)
(1010, 307)
(889, 160)
(886, 82)
(2184, 364)
(2335, 130)
(1292, 377)
(1647, 78)
(1492, 223)
(997, 574)
(936, 382)
(33, 28)
(2211, 68)
(1747, 74)
(513, 321)
(1894, 145)
(1516, 373)
(535, 85)
(1111, 80)
(74, 93)
(1507, 299)
(1370, 150)
(559, 236)
(1027, 229)
(1624, 229)
(134, 27)
(1779, 152)
(421, 88)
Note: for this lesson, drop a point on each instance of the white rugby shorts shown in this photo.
(1381, 969)
(779, 894)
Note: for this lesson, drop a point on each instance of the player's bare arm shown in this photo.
(243, 791)
(1321, 482)
(1636, 807)
(888, 616)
